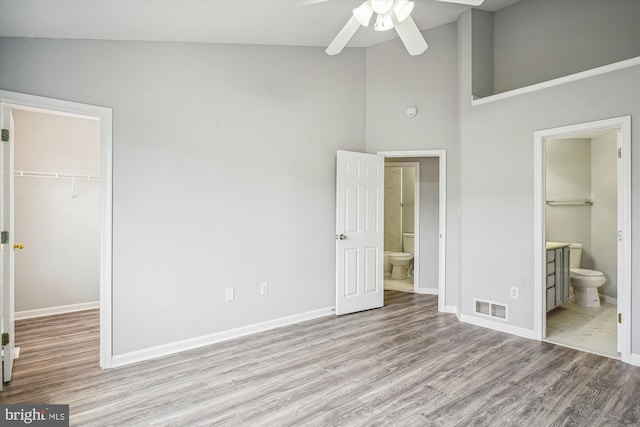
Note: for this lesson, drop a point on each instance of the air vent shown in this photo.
(490, 309)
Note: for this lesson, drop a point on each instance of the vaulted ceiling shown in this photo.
(266, 22)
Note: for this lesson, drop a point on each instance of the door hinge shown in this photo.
(5, 135)
(4, 237)
(620, 318)
(5, 338)
(619, 153)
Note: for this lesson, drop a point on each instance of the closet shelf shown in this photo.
(55, 175)
(585, 202)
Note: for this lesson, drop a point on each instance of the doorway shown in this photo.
(11, 103)
(582, 212)
(401, 226)
(430, 220)
(56, 213)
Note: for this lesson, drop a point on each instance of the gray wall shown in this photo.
(223, 173)
(539, 40)
(604, 221)
(482, 53)
(497, 180)
(396, 81)
(60, 263)
(429, 222)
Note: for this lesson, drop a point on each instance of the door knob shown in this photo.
(18, 246)
(342, 237)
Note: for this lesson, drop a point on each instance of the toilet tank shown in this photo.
(575, 255)
(407, 243)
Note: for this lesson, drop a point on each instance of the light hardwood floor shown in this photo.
(402, 365)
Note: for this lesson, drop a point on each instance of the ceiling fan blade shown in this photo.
(307, 2)
(467, 2)
(343, 36)
(411, 36)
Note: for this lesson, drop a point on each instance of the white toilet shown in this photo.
(401, 262)
(585, 282)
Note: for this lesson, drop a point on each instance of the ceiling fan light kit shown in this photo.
(390, 14)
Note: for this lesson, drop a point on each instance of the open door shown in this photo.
(359, 231)
(6, 245)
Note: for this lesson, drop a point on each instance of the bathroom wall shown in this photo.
(408, 199)
(60, 263)
(568, 177)
(585, 169)
(429, 221)
(399, 204)
(604, 221)
(392, 208)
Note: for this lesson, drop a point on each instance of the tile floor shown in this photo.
(583, 328)
(405, 285)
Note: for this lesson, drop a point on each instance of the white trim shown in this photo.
(426, 291)
(559, 81)
(104, 115)
(609, 300)
(49, 311)
(451, 309)
(496, 326)
(197, 342)
(623, 126)
(442, 250)
(634, 359)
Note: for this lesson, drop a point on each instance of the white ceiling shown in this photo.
(272, 22)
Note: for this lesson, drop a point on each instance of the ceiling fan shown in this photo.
(389, 14)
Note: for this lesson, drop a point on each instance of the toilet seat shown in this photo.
(586, 273)
(401, 256)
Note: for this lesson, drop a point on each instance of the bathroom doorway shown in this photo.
(582, 258)
(401, 225)
(430, 228)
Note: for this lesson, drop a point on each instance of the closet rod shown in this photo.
(569, 202)
(55, 175)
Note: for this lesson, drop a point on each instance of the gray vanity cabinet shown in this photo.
(557, 280)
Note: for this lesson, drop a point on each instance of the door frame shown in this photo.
(623, 127)
(442, 213)
(34, 103)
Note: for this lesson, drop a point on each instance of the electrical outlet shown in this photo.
(229, 294)
(514, 293)
(264, 288)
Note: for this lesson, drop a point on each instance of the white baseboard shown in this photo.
(450, 309)
(48, 311)
(634, 359)
(192, 343)
(501, 327)
(427, 291)
(608, 299)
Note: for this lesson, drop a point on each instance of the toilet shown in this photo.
(401, 262)
(585, 282)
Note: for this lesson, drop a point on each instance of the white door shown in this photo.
(6, 248)
(359, 231)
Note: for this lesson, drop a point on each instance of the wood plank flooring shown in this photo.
(402, 365)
